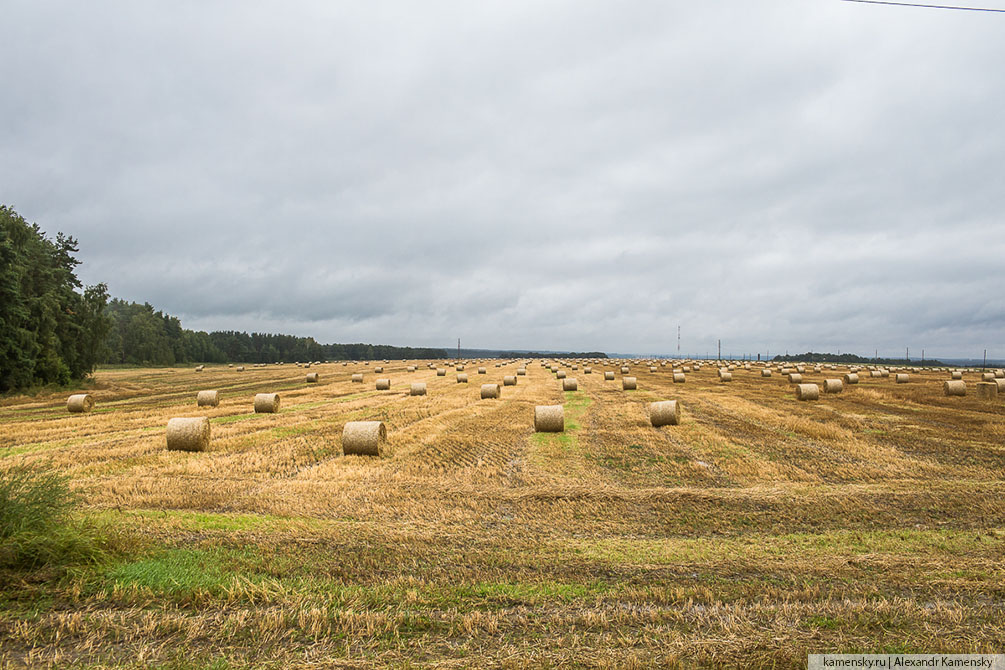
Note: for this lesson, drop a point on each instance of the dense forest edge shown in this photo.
(53, 330)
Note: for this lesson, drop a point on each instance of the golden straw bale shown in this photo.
(80, 402)
(418, 388)
(384, 384)
(807, 392)
(664, 413)
(207, 398)
(188, 434)
(490, 391)
(987, 390)
(628, 384)
(570, 384)
(365, 438)
(954, 387)
(549, 419)
(266, 403)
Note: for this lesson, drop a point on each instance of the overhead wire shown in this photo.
(915, 4)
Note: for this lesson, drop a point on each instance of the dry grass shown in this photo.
(757, 530)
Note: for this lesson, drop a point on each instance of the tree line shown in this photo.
(139, 335)
(853, 359)
(53, 330)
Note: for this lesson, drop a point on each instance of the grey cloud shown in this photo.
(526, 175)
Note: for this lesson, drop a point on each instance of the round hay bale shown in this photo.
(490, 391)
(795, 378)
(207, 398)
(80, 402)
(240, 368)
(956, 374)
(609, 376)
(954, 387)
(462, 378)
(418, 388)
(560, 374)
(357, 378)
(230, 365)
(628, 384)
(379, 369)
(441, 372)
(587, 370)
(481, 371)
(410, 368)
(570, 384)
(884, 373)
(312, 378)
(678, 378)
(987, 390)
(624, 369)
(725, 376)
(765, 373)
(999, 374)
(384, 384)
(851, 378)
(459, 368)
(652, 368)
(200, 368)
(1001, 385)
(833, 386)
(807, 392)
(510, 380)
(903, 378)
(188, 434)
(549, 419)
(266, 403)
(664, 413)
(521, 372)
(988, 377)
(800, 369)
(365, 438)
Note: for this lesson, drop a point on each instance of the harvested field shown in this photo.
(756, 531)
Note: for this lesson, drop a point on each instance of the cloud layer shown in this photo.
(565, 175)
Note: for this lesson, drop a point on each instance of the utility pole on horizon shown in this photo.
(458, 350)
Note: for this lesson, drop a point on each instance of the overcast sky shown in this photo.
(784, 175)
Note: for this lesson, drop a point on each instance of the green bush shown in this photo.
(36, 527)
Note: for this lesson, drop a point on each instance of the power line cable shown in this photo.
(912, 4)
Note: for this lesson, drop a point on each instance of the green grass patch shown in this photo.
(233, 418)
(676, 550)
(576, 403)
(184, 571)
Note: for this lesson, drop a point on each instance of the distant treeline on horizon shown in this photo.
(140, 335)
(813, 357)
